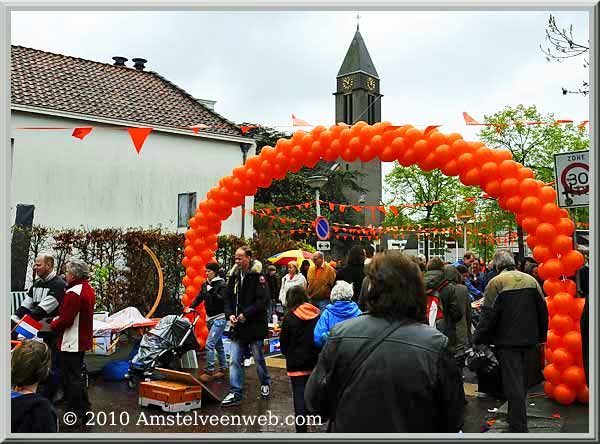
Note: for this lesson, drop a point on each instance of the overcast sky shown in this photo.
(263, 66)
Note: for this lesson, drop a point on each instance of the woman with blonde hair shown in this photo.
(291, 279)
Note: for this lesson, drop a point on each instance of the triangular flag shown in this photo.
(430, 128)
(582, 125)
(299, 122)
(331, 206)
(394, 210)
(382, 209)
(357, 208)
(245, 128)
(80, 133)
(470, 120)
(196, 128)
(138, 136)
(342, 208)
(556, 122)
(307, 205)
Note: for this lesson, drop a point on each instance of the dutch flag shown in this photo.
(28, 327)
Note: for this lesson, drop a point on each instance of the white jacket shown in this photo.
(287, 283)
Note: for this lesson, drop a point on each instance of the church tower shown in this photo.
(358, 98)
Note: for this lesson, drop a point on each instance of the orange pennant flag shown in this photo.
(80, 133)
(394, 210)
(430, 128)
(382, 209)
(556, 122)
(299, 122)
(138, 136)
(331, 206)
(582, 124)
(357, 208)
(342, 208)
(307, 205)
(470, 120)
(196, 128)
(534, 123)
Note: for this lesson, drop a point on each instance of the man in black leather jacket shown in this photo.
(388, 362)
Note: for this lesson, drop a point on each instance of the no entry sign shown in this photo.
(572, 174)
(322, 228)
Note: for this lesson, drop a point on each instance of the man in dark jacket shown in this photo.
(389, 362)
(354, 271)
(246, 309)
(213, 293)
(41, 303)
(436, 281)
(514, 317)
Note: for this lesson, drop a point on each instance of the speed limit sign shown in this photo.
(572, 173)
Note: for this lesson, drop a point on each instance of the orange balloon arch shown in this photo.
(549, 228)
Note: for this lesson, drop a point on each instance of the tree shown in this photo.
(560, 45)
(410, 185)
(533, 140)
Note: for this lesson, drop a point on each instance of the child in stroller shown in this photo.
(162, 347)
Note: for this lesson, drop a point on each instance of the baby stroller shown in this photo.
(162, 346)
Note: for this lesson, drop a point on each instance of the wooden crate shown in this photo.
(180, 392)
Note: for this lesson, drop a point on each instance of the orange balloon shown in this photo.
(545, 233)
(465, 162)
(471, 177)
(553, 286)
(549, 389)
(409, 158)
(562, 359)
(186, 262)
(443, 154)
(509, 168)
(531, 206)
(529, 187)
(551, 310)
(525, 173)
(563, 213)
(548, 355)
(412, 135)
(192, 291)
(502, 155)
(510, 186)
(562, 244)
(519, 219)
(186, 281)
(563, 303)
(577, 309)
(564, 394)
(583, 395)
(493, 187)
(531, 241)
(569, 286)
(489, 170)
(513, 203)
(549, 213)
(542, 253)
(483, 155)
(572, 261)
(572, 342)
(551, 269)
(561, 323)
(552, 374)
(553, 341)
(547, 194)
(565, 226)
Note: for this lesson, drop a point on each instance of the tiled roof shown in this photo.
(357, 58)
(70, 84)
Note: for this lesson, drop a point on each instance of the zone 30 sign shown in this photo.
(572, 174)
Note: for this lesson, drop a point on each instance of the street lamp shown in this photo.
(317, 182)
(465, 219)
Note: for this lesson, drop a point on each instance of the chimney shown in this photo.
(139, 63)
(120, 61)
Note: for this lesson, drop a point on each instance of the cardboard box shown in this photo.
(179, 392)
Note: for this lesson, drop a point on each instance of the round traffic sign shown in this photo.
(575, 179)
(322, 228)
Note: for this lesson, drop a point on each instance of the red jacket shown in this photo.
(75, 319)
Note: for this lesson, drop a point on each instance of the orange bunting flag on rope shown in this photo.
(138, 136)
(299, 122)
(582, 124)
(430, 128)
(307, 205)
(245, 128)
(556, 122)
(343, 208)
(394, 210)
(331, 206)
(357, 208)
(382, 209)
(470, 120)
(196, 128)
(80, 133)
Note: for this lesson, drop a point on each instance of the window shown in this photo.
(371, 114)
(348, 109)
(186, 207)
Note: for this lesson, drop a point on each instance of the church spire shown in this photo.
(357, 58)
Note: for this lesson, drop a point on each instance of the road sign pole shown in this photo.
(318, 195)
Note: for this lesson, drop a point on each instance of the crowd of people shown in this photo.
(385, 331)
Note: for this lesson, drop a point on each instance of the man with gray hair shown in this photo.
(514, 318)
(74, 325)
(321, 278)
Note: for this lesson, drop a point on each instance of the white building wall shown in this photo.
(102, 182)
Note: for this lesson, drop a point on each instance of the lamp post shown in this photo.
(465, 219)
(244, 147)
(317, 182)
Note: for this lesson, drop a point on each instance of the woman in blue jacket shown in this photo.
(341, 308)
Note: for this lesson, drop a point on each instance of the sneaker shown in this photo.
(231, 399)
(265, 391)
(248, 362)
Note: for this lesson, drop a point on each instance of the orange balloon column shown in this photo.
(549, 229)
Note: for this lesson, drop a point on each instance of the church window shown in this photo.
(348, 109)
(371, 108)
(186, 207)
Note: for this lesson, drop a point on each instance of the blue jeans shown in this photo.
(236, 371)
(214, 342)
(321, 304)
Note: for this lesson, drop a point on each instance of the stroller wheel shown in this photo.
(132, 383)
